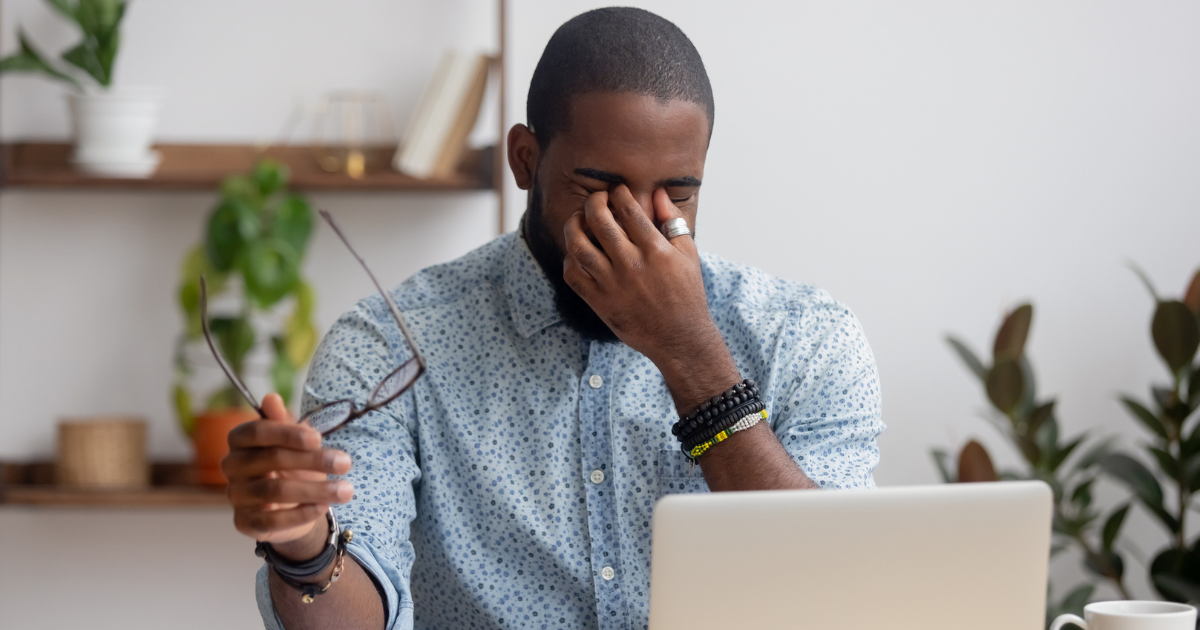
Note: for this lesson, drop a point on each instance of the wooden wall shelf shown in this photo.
(171, 485)
(203, 166)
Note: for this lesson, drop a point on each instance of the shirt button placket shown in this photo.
(597, 452)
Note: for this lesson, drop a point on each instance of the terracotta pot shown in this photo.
(212, 441)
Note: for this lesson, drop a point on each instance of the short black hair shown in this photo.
(614, 49)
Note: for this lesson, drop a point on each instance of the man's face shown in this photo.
(613, 139)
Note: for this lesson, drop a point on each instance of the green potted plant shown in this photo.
(113, 128)
(1168, 492)
(1030, 426)
(253, 247)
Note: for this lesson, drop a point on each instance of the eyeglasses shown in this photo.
(334, 415)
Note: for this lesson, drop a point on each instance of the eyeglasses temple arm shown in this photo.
(237, 382)
(386, 297)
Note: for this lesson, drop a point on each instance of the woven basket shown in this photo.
(102, 452)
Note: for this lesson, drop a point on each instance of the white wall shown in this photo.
(929, 163)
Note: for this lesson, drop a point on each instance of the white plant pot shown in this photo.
(114, 130)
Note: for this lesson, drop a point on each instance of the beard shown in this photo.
(574, 311)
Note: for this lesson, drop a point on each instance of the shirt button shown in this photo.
(608, 573)
(596, 381)
(597, 476)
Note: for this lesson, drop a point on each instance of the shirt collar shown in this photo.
(530, 294)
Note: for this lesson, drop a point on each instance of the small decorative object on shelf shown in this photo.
(251, 256)
(353, 133)
(102, 453)
(113, 127)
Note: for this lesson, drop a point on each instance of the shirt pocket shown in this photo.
(676, 475)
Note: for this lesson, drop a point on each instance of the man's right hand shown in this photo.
(278, 482)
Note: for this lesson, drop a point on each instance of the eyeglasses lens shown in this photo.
(329, 417)
(399, 380)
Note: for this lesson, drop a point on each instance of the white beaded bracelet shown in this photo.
(747, 422)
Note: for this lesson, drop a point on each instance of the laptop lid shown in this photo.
(925, 557)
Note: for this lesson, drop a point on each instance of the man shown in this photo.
(513, 486)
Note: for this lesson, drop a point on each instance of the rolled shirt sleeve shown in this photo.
(825, 397)
(362, 347)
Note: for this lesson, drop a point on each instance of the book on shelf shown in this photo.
(436, 136)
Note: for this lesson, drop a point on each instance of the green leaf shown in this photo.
(293, 223)
(235, 337)
(1169, 465)
(270, 177)
(30, 60)
(945, 467)
(182, 401)
(271, 269)
(84, 58)
(240, 188)
(1174, 573)
(1082, 496)
(1061, 455)
(1005, 384)
(232, 224)
(1106, 564)
(195, 266)
(283, 372)
(306, 301)
(1112, 526)
(1176, 334)
(1142, 482)
(1046, 440)
(1038, 417)
(968, 358)
(1010, 340)
(1148, 419)
(299, 339)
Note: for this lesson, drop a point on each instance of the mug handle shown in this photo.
(1063, 620)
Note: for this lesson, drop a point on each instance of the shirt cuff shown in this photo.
(399, 614)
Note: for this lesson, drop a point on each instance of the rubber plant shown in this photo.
(254, 242)
(1173, 444)
(1030, 425)
(100, 24)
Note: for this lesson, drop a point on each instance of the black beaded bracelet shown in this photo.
(727, 420)
(711, 407)
(710, 411)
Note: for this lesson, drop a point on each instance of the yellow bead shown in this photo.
(306, 598)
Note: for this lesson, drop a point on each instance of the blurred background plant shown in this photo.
(1031, 427)
(1174, 443)
(99, 21)
(254, 244)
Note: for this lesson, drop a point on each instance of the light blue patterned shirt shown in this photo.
(513, 486)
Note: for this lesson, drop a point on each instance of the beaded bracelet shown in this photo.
(742, 425)
(721, 423)
(713, 409)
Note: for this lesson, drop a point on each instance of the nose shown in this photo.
(645, 201)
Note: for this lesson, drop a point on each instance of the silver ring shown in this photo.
(675, 227)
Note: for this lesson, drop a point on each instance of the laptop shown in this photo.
(925, 557)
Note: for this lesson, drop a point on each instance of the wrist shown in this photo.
(307, 546)
(695, 375)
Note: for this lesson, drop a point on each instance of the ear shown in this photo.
(523, 154)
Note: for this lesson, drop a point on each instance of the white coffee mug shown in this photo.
(1128, 615)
